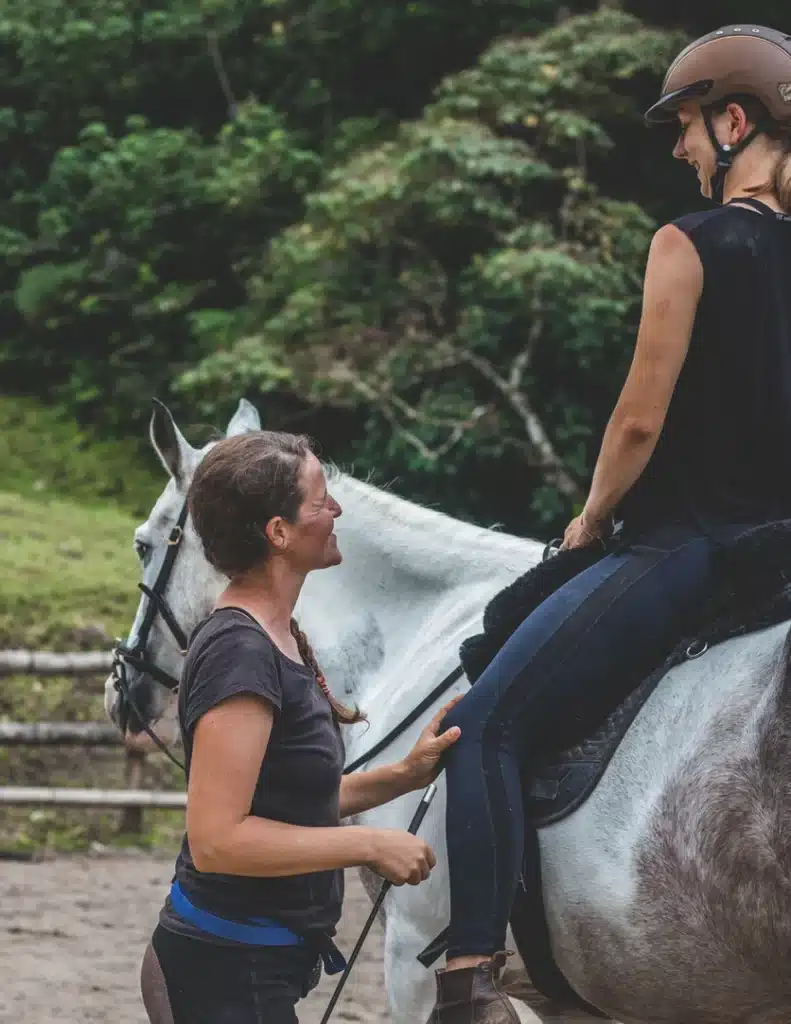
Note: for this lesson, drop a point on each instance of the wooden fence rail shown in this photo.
(52, 663)
(46, 796)
(131, 801)
(46, 734)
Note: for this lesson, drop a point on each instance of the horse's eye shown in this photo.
(142, 550)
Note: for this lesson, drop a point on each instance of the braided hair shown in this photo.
(341, 714)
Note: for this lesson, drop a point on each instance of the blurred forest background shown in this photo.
(416, 230)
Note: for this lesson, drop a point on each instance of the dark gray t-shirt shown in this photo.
(299, 783)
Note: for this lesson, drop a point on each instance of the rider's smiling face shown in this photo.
(694, 145)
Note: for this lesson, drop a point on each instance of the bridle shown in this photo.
(138, 655)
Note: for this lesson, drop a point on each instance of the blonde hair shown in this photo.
(341, 714)
(780, 181)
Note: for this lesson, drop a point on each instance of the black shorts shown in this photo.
(212, 984)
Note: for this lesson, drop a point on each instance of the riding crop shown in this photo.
(414, 825)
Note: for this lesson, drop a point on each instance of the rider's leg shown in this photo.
(563, 668)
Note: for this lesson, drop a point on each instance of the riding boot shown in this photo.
(471, 995)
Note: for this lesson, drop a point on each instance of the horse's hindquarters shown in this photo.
(665, 890)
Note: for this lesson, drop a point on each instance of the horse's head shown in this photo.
(179, 588)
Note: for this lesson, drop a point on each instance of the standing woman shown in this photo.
(696, 450)
(258, 883)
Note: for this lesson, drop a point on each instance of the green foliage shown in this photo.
(415, 229)
(704, 15)
(141, 230)
(439, 281)
(138, 211)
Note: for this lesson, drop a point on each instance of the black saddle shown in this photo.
(753, 592)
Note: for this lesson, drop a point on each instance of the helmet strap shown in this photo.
(725, 156)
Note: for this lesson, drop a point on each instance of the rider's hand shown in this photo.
(421, 765)
(400, 857)
(584, 530)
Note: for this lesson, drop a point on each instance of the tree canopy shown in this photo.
(416, 230)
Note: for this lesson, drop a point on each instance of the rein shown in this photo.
(138, 657)
(402, 726)
(550, 550)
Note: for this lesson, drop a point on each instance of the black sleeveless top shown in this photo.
(724, 454)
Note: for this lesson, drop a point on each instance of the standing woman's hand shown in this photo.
(422, 762)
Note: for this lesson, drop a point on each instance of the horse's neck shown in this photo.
(420, 544)
(399, 556)
(403, 566)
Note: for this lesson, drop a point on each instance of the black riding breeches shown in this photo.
(565, 667)
(188, 981)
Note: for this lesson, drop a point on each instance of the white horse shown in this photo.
(668, 893)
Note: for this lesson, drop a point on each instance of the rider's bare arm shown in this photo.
(229, 745)
(672, 289)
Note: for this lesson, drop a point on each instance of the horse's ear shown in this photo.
(169, 443)
(244, 420)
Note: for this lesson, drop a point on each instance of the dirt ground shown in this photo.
(73, 929)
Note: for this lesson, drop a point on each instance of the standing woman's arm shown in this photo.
(229, 744)
(364, 790)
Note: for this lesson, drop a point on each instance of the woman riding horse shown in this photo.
(688, 460)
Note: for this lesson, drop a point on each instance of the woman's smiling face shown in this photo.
(311, 540)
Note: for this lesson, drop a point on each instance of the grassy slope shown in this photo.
(68, 506)
(64, 567)
(67, 582)
(44, 455)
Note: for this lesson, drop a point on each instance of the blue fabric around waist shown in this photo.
(257, 931)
